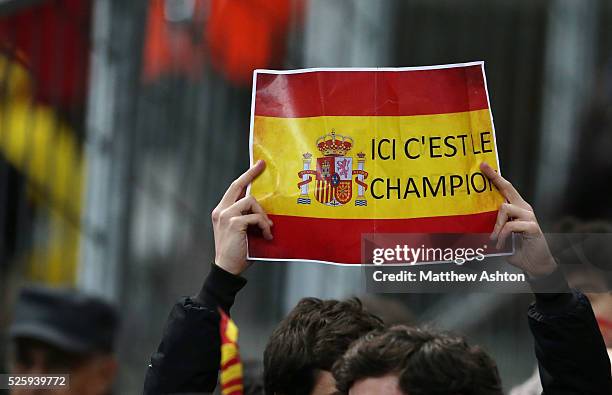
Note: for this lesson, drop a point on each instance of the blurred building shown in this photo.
(122, 123)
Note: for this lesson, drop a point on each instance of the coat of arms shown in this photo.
(334, 173)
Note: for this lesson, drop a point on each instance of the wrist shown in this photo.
(542, 269)
(220, 288)
(553, 283)
(231, 268)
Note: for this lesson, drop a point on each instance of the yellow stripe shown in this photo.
(231, 331)
(281, 142)
(231, 373)
(228, 351)
(31, 135)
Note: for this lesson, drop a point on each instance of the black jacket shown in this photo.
(569, 347)
(188, 357)
(571, 352)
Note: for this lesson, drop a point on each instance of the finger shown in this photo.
(509, 211)
(237, 187)
(504, 186)
(527, 227)
(246, 205)
(241, 223)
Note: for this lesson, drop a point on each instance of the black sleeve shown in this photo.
(571, 353)
(187, 359)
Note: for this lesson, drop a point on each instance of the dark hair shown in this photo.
(55, 359)
(314, 335)
(426, 363)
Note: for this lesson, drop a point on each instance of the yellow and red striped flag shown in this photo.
(231, 365)
(362, 151)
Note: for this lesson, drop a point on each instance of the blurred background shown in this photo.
(122, 123)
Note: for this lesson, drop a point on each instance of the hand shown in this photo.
(516, 216)
(232, 217)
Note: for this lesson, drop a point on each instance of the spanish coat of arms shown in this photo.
(334, 173)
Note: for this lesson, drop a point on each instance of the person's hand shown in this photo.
(516, 216)
(232, 217)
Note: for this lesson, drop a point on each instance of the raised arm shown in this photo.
(188, 357)
(571, 353)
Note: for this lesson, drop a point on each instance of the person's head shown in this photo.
(415, 361)
(303, 348)
(58, 331)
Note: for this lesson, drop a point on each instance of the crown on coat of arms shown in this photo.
(334, 145)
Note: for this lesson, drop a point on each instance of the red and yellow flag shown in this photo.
(357, 151)
(231, 365)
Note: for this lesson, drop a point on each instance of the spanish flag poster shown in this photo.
(355, 151)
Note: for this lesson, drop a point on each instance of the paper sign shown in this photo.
(364, 151)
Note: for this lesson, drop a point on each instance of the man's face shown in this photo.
(94, 376)
(324, 384)
(385, 385)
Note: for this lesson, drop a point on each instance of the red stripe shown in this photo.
(223, 326)
(371, 93)
(325, 196)
(232, 382)
(339, 240)
(233, 361)
(323, 190)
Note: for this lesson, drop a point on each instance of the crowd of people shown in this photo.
(322, 347)
(329, 347)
